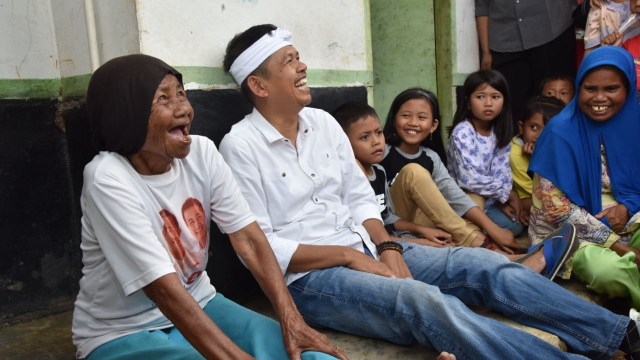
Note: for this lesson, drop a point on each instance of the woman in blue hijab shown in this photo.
(587, 173)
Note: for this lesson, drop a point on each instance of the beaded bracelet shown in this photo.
(389, 245)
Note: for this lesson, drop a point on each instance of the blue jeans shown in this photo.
(256, 334)
(430, 309)
(501, 219)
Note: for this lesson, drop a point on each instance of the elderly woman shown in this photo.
(587, 165)
(136, 300)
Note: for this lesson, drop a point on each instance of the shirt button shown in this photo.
(313, 175)
(306, 131)
(284, 174)
(520, 19)
(315, 199)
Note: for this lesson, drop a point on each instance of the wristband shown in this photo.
(389, 245)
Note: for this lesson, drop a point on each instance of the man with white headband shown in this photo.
(296, 169)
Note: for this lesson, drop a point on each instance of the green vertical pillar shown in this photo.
(445, 58)
(403, 41)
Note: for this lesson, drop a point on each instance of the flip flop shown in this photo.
(561, 244)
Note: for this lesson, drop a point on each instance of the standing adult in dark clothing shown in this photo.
(526, 40)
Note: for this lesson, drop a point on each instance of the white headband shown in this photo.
(258, 52)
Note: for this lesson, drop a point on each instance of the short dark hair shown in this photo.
(556, 77)
(239, 44)
(350, 112)
(547, 106)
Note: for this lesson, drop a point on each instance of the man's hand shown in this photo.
(617, 216)
(362, 262)
(394, 261)
(299, 337)
(486, 60)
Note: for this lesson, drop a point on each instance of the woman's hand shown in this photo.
(299, 337)
(617, 216)
(621, 249)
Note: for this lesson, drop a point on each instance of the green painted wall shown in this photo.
(77, 85)
(403, 45)
(445, 56)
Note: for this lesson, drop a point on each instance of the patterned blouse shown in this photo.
(478, 165)
(552, 208)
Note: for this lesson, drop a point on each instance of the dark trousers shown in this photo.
(525, 69)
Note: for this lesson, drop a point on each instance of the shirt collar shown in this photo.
(270, 133)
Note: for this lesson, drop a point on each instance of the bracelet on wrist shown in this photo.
(389, 245)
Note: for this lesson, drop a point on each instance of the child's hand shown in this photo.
(525, 210)
(435, 237)
(503, 238)
(512, 207)
(614, 39)
(527, 148)
(595, 3)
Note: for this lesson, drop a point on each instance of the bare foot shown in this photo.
(536, 262)
(446, 356)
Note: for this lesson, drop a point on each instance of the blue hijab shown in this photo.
(568, 150)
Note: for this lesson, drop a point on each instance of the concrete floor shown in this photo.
(49, 337)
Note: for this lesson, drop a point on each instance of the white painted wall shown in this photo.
(27, 40)
(329, 34)
(466, 38)
(71, 37)
(117, 26)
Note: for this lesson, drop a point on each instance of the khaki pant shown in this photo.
(416, 198)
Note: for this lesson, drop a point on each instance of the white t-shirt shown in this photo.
(130, 238)
(312, 194)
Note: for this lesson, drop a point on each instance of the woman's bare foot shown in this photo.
(446, 356)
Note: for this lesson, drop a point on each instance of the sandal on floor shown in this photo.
(560, 245)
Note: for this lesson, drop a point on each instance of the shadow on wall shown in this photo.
(40, 185)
